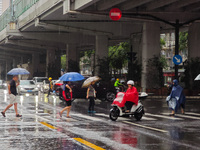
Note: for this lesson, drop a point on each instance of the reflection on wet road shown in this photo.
(42, 128)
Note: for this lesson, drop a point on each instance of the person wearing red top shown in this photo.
(131, 96)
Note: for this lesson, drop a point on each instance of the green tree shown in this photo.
(63, 62)
(118, 55)
(183, 41)
(155, 71)
(162, 43)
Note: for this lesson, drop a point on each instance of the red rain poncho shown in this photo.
(130, 95)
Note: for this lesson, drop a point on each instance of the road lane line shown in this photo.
(146, 127)
(88, 144)
(48, 125)
(161, 116)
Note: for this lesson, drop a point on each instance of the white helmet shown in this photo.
(130, 82)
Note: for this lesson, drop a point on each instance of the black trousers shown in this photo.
(49, 92)
(129, 105)
(91, 104)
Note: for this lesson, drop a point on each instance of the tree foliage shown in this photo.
(192, 68)
(118, 55)
(155, 71)
(63, 62)
(183, 41)
(162, 43)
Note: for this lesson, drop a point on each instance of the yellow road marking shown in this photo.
(88, 144)
(155, 129)
(48, 125)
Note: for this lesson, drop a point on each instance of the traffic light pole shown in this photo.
(177, 26)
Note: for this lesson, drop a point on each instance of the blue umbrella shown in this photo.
(18, 71)
(71, 76)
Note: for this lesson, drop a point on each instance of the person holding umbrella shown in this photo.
(91, 93)
(67, 91)
(12, 89)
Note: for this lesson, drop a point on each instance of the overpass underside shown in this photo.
(38, 32)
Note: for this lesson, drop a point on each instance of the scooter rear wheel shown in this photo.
(138, 116)
(114, 114)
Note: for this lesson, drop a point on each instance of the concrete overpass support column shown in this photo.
(35, 64)
(194, 40)
(50, 60)
(101, 51)
(136, 43)
(8, 68)
(72, 58)
(150, 48)
(14, 65)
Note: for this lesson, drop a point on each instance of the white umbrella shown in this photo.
(197, 78)
(90, 80)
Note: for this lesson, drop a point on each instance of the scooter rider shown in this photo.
(131, 96)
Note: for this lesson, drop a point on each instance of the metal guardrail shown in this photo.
(19, 7)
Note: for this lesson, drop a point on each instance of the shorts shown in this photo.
(13, 99)
(68, 103)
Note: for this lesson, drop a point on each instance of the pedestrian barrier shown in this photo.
(12, 13)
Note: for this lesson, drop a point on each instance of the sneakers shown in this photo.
(18, 115)
(3, 114)
(91, 111)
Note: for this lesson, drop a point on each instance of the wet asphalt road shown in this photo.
(42, 128)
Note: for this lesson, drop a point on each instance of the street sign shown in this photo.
(177, 59)
(115, 14)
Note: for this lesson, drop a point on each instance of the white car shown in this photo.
(27, 86)
(41, 83)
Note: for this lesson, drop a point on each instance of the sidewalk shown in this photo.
(164, 97)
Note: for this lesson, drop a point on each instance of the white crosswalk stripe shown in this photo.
(162, 116)
(123, 119)
(87, 117)
(187, 116)
(191, 113)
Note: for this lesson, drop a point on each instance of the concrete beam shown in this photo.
(157, 4)
(68, 38)
(132, 4)
(17, 50)
(192, 7)
(179, 4)
(26, 44)
(7, 53)
(108, 4)
(39, 23)
(82, 4)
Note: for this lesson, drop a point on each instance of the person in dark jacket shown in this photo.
(176, 99)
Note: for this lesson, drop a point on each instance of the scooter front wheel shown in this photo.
(114, 114)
